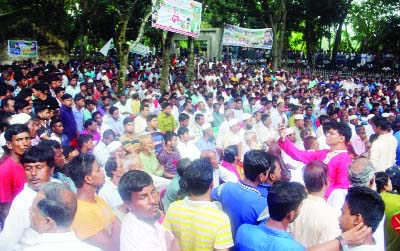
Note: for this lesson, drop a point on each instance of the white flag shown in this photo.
(109, 45)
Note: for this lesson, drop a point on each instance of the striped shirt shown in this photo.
(199, 225)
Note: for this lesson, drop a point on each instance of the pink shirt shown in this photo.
(12, 180)
(96, 136)
(338, 163)
(358, 145)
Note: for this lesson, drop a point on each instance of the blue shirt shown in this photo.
(241, 202)
(263, 238)
(68, 121)
(397, 136)
(202, 145)
(263, 188)
(78, 116)
(158, 140)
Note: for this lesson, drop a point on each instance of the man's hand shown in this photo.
(282, 133)
(357, 235)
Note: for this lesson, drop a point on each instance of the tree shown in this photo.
(123, 11)
(40, 20)
(165, 61)
(367, 18)
(343, 7)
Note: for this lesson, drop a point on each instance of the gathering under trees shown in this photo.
(77, 28)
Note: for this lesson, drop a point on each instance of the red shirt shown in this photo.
(12, 180)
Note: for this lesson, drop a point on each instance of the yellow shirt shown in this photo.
(199, 225)
(91, 218)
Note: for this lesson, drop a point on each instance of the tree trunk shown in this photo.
(123, 48)
(338, 38)
(275, 47)
(310, 39)
(282, 32)
(190, 63)
(51, 37)
(123, 51)
(165, 61)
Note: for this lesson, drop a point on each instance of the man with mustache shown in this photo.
(141, 230)
(12, 177)
(38, 165)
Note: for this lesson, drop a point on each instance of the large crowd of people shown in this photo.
(239, 158)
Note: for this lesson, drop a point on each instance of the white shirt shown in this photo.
(72, 90)
(188, 150)
(264, 133)
(140, 124)
(175, 113)
(109, 193)
(124, 108)
(61, 242)
(365, 248)
(316, 223)
(383, 152)
(223, 128)
(101, 154)
(141, 236)
(278, 118)
(17, 233)
(223, 174)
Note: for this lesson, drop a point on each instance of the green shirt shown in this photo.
(392, 212)
(150, 164)
(166, 122)
(172, 192)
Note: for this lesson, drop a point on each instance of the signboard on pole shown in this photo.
(179, 16)
(253, 38)
(22, 48)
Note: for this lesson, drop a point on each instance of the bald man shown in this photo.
(52, 213)
(220, 172)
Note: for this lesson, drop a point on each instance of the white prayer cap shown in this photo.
(233, 122)
(370, 116)
(387, 114)
(113, 146)
(246, 116)
(21, 118)
(298, 116)
(289, 131)
(206, 126)
(353, 117)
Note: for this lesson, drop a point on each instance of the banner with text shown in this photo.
(140, 49)
(179, 16)
(22, 48)
(254, 38)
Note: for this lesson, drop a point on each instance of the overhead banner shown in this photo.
(140, 49)
(22, 48)
(179, 16)
(254, 38)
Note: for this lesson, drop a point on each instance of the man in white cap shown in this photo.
(368, 127)
(233, 136)
(116, 150)
(207, 142)
(294, 165)
(105, 78)
(353, 122)
(299, 125)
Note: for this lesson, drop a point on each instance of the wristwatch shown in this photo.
(343, 243)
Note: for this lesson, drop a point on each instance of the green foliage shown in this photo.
(372, 22)
(371, 25)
